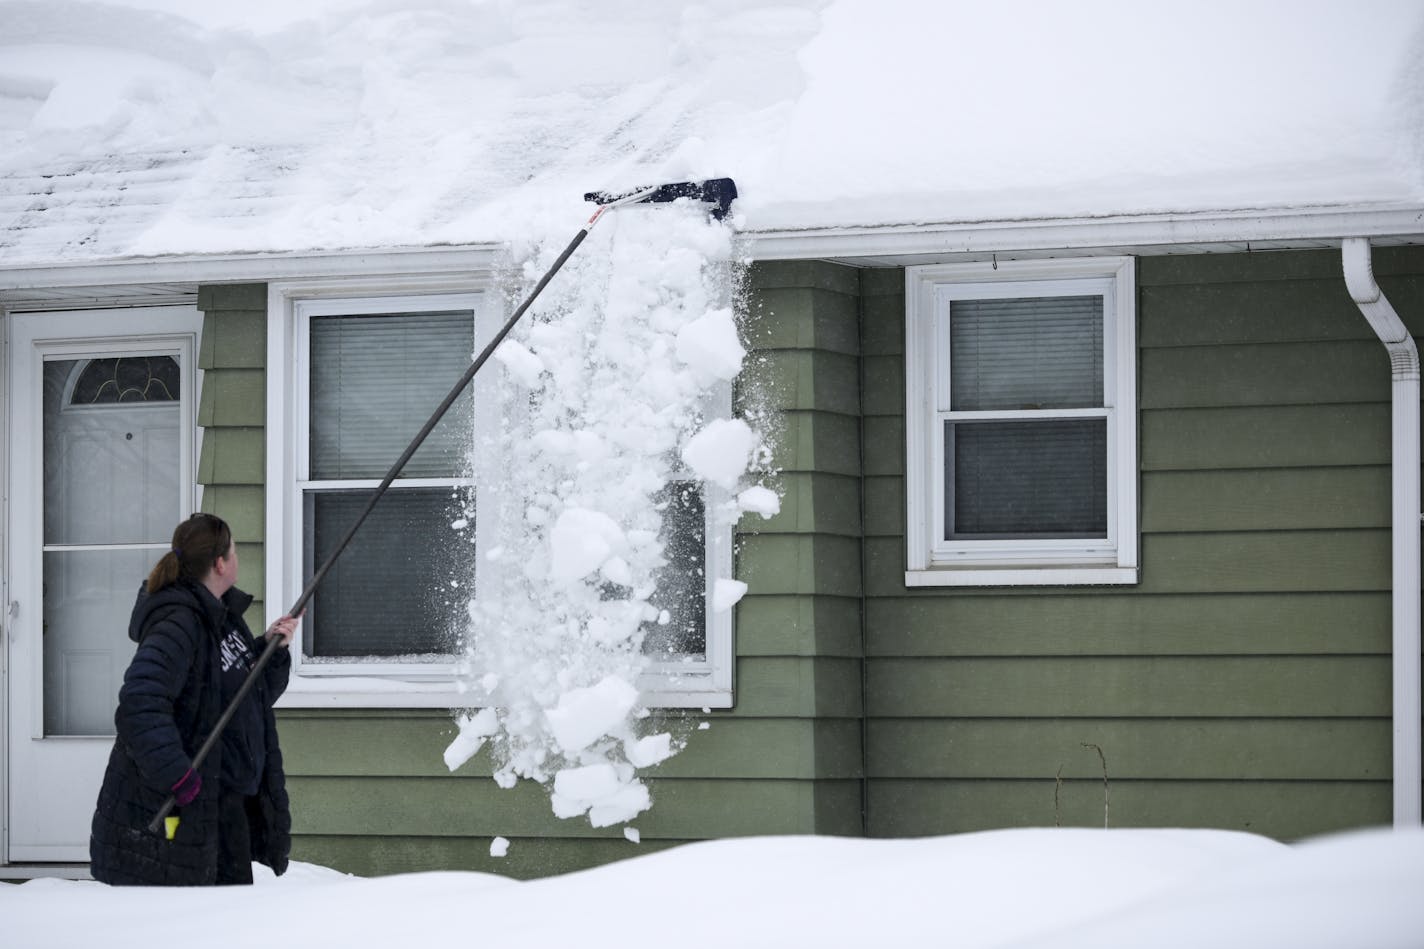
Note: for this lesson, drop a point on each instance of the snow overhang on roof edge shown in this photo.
(891, 245)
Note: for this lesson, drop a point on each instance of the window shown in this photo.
(352, 378)
(372, 380)
(126, 379)
(1021, 423)
(359, 376)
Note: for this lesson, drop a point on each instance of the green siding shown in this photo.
(1282, 809)
(1245, 682)
(982, 623)
(474, 807)
(790, 625)
(231, 412)
(411, 744)
(1291, 436)
(1266, 499)
(1271, 749)
(1301, 687)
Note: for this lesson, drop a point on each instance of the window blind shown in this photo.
(389, 593)
(375, 380)
(1026, 353)
(1030, 479)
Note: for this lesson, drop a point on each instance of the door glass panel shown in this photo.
(110, 468)
(88, 595)
(111, 480)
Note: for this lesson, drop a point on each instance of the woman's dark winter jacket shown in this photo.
(169, 703)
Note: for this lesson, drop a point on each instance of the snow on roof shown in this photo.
(151, 127)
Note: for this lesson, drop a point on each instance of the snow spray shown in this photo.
(612, 407)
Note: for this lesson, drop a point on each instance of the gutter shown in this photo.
(1405, 526)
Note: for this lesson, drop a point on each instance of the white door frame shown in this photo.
(61, 333)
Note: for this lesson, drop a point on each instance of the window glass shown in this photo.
(1026, 353)
(389, 593)
(127, 379)
(1032, 479)
(682, 583)
(375, 380)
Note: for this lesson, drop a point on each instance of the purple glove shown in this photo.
(187, 787)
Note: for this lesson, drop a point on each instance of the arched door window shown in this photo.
(125, 380)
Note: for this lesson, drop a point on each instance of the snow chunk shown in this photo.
(759, 500)
(710, 348)
(474, 729)
(526, 368)
(726, 594)
(649, 750)
(583, 716)
(580, 541)
(598, 790)
(499, 847)
(630, 801)
(615, 570)
(589, 783)
(721, 452)
(631, 835)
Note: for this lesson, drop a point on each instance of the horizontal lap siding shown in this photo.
(232, 411)
(370, 791)
(1282, 809)
(799, 627)
(1245, 682)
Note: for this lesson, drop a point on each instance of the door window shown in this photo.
(111, 495)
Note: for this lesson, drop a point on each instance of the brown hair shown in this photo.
(197, 543)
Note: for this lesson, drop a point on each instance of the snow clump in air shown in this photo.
(612, 435)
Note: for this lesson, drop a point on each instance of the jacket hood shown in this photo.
(188, 595)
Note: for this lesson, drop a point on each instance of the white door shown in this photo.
(101, 451)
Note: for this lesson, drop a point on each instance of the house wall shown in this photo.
(370, 791)
(1244, 683)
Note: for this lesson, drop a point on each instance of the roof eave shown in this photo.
(1141, 234)
(123, 280)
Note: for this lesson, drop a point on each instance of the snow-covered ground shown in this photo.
(1027, 889)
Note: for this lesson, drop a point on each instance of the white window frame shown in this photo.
(692, 683)
(932, 559)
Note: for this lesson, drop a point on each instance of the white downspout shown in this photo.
(1404, 375)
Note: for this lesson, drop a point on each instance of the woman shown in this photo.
(194, 651)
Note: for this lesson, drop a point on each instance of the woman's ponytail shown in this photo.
(198, 543)
(164, 572)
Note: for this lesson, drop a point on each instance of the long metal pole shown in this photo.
(395, 469)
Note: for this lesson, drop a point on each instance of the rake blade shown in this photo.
(719, 192)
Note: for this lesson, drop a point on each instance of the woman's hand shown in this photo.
(284, 628)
